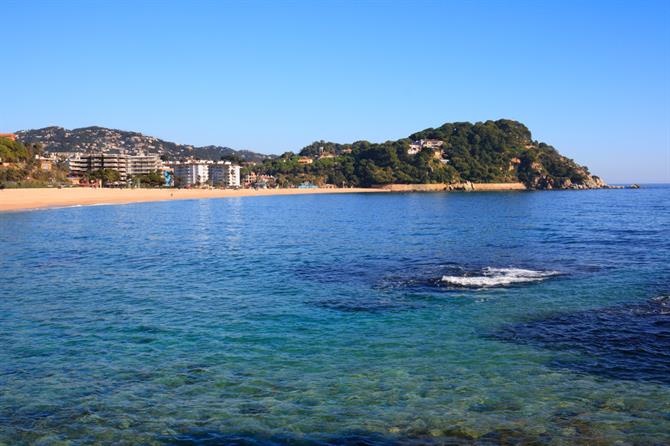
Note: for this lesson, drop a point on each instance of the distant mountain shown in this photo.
(100, 139)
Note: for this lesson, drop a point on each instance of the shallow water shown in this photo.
(325, 319)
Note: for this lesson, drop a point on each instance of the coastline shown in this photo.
(12, 200)
(445, 187)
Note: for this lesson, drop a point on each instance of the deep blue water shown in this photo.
(447, 318)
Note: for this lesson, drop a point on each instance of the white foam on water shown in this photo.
(495, 277)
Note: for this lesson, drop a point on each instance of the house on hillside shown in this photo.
(10, 136)
(417, 146)
(44, 162)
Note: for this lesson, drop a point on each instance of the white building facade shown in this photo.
(416, 146)
(127, 165)
(143, 164)
(191, 174)
(90, 162)
(200, 173)
(224, 174)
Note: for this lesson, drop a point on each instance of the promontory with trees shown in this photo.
(501, 151)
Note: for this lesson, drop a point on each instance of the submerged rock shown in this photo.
(628, 342)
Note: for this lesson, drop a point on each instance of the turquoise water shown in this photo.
(340, 319)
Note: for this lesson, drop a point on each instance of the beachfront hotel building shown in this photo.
(91, 162)
(126, 165)
(191, 174)
(225, 174)
(143, 164)
(196, 173)
(187, 173)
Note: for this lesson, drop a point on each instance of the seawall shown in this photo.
(440, 187)
(498, 186)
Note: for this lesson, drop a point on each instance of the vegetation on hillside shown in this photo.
(13, 151)
(485, 152)
(101, 139)
(20, 168)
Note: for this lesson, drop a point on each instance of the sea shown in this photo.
(460, 318)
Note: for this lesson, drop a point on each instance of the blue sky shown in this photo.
(590, 78)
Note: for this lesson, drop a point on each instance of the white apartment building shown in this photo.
(143, 164)
(224, 173)
(126, 165)
(191, 173)
(215, 173)
(90, 162)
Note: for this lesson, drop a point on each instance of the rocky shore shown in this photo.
(592, 182)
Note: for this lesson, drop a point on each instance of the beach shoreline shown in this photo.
(13, 200)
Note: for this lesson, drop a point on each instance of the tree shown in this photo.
(107, 176)
(151, 179)
(13, 151)
(233, 158)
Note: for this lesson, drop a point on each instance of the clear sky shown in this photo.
(590, 78)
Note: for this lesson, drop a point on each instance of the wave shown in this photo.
(496, 277)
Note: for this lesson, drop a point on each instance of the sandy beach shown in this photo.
(25, 199)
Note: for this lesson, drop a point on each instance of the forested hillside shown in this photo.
(485, 152)
(20, 168)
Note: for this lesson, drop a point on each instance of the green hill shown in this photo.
(484, 152)
(13, 151)
(19, 167)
